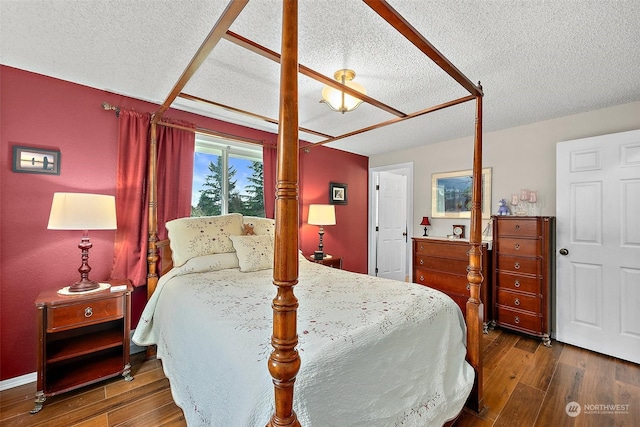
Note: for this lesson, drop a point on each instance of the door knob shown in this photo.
(404, 233)
(564, 251)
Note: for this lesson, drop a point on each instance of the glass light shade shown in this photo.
(82, 211)
(334, 97)
(322, 215)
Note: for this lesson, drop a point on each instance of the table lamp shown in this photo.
(426, 223)
(81, 211)
(321, 215)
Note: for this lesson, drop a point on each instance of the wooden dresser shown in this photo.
(524, 259)
(442, 264)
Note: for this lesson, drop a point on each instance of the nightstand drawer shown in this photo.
(84, 313)
(515, 246)
(519, 301)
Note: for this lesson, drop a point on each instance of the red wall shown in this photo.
(39, 111)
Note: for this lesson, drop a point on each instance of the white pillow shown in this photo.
(199, 236)
(261, 225)
(211, 263)
(254, 252)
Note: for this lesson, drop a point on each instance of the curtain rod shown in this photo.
(204, 131)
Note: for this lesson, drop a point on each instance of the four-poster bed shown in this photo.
(284, 361)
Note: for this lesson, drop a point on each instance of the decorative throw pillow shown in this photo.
(254, 252)
(198, 236)
(261, 225)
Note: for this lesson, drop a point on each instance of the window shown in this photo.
(227, 178)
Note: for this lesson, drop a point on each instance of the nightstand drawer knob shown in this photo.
(517, 301)
(516, 266)
(516, 319)
(88, 312)
(517, 284)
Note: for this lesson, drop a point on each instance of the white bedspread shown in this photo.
(374, 352)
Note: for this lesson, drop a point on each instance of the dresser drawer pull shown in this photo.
(516, 266)
(421, 248)
(468, 268)
(516, 319)
(517, 284)
(422, 278)
(517, 246)
(421, 262)
(517, 301)
(517, 226)
(468, 286)
(88, 312)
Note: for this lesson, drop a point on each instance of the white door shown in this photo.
(598, 244)
(391, 257)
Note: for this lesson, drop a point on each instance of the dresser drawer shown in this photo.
(518, 264)
(84, 313)
(519, 319)
(518, 283)
(519, 300)
(453, 266)
(448, 283)
(518, 246)
(445, 249)
(525, 227)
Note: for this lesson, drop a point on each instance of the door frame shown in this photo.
(405, 169)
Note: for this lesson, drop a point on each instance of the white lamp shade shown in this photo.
(82, 211)
(322, 215)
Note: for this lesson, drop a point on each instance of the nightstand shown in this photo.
(328, 260)
(82, 339)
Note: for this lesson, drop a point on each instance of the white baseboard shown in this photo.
(18, 381)
(33, 376)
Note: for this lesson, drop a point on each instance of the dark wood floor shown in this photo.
(526, 384)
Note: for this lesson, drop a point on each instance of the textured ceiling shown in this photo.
(536, 59)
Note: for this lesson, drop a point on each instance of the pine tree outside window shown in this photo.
(227, 178)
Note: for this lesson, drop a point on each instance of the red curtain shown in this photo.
(175, 173)
(269, 162)
(174, 180)
(130, 257)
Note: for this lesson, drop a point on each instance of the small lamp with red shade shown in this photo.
(426, 223)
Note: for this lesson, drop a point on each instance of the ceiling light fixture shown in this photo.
(338, 100)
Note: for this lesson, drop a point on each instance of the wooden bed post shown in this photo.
(152, 189)
(475, 307)
(284, 362)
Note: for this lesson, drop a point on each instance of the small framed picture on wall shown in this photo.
(337, 193)
(36, 160)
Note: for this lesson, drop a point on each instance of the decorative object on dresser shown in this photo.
(426, 223)
(524, 261)
(443, 264)
(321, 215)
(503, 209)
(328, 260)
(82, 339)
(81, 211)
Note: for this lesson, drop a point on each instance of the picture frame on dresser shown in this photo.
(451, 194)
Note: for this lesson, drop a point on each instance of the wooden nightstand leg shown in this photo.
(127, 373)
(40, 398)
